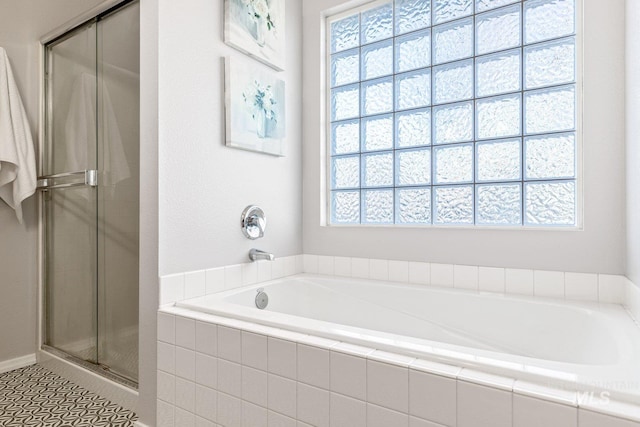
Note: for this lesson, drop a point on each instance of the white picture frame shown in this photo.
(254, 108)
(257, 28)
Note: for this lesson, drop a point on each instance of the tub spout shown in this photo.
(256, 254)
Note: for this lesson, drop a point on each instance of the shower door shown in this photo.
(90, 193)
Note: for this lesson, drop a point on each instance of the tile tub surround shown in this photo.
(219, 371)
(192, 284)
(604, 288)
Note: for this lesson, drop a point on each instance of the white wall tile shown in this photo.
(519, 281)
(388, 386)
(253, 415)
(166, 384)
(313, 405)
(342, 266)
(548, 284)
(206, 403)
(214, 280)
(254, 386)
(432, 397)
(289, 265)
(229, 411)
(347, 412)
(379, 269)
(185, 332)
(254, 350)
(479, 406)
(612, 408)
(465, 277)
(349, 375)
(279, 420)
(594, 419)
(485, 379)
(326, 265)
(206, 370)
(229, 344)
(299, 264)
(207, 338)
(185, 394)
(310, 263)
(420, 273)
(201, 422)
(282, 395)
(383, 417)
(581, 286)
(491, 279)
(360, 268)
(186, 364)
(229, 378)
(442, 275)
(232, 276)
(264, 271)
(282, 358)
(552, 394)
(419, 422)
(277, 268)
(171, 288)
(530, 412)
(184, 418)
(399, 271)
(391, 358)
(165, 413)
(195, 284)
(355, 350)
(611, 288)
(249, 273)
(166, 357)
(435, 368)
(431, 400)
(166, 328)
(313, 366)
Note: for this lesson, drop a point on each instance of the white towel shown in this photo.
(17, 157)
(80, 130)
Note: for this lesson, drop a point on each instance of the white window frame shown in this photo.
(350, 8)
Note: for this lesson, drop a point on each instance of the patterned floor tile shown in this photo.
(34, 396)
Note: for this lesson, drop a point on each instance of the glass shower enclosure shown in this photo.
(90, 194)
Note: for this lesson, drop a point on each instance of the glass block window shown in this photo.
(453, 112)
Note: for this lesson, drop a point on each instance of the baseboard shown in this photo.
(17, 363)
(139, 424)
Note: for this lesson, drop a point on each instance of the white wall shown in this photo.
(149, 282)
(633, 140)
(597, 248)
(204, 185)
(21, 26)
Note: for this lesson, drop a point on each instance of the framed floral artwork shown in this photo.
(254, 108)
(257, 28)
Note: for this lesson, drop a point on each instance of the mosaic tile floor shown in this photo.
(33, 396)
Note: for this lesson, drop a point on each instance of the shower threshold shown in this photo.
(97, 368)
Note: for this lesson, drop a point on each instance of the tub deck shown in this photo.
(574, 345)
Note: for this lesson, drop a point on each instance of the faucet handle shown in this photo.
(253, 222)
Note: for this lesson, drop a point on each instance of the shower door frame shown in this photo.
(91, 376)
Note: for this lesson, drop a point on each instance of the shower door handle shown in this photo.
(83, 178)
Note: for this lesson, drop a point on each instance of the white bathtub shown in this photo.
(583, 346)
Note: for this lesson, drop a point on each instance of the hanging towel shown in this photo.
(17, 157)
(80, 130)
